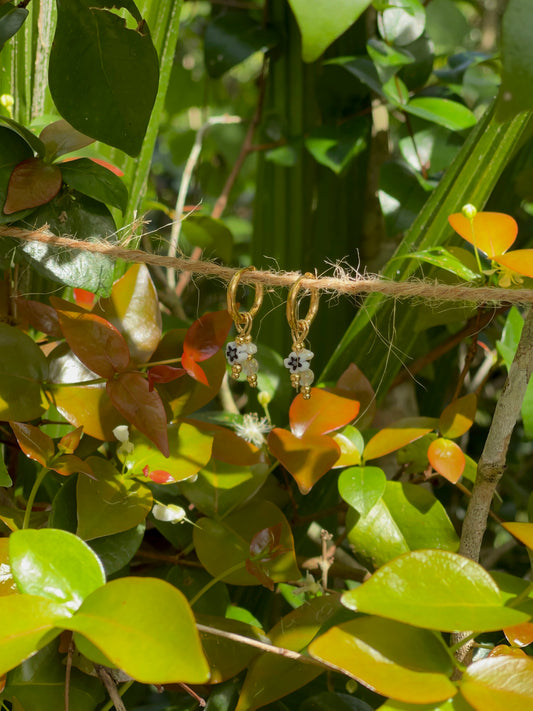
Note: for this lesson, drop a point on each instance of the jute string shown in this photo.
(346, 284)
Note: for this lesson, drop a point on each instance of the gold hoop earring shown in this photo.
(298, 361)
(240, 352)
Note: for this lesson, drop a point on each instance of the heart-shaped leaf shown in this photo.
(323, 412)
(307, 458)
(60, 137)
(437, 590)
(362, 487)
(491, 232)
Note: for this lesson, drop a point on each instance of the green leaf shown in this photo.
(391, 658)
(450, 114)
(13, 150)
(189, 452)
(28, 623)
(5, 479)
(437, 590)
(30, 138)
(116, 551)
(232, 37)
(442, 258)
(103, 76)
(221, 545)
(214, 601)
(500, 682)
(214, 238)
(362, 487)
(54, 564)
(97, 182)
(363, 69)
(517, 60)
(72, 213)
(59, 138)
(271, 677)
(406, 518)
(402, 21)
(511, 333)
(145, 627)
(39, 684)
(334, 701)
(319, 26)
(11, 20)
(23, 368)
(111, 504)
(336, 146)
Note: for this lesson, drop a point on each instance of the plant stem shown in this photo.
(115, 699)
(33, 493)
(215, 580)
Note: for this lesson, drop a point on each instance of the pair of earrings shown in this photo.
(240, 353)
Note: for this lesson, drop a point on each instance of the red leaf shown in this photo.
(95, 341)
(84, 298)
(265, 543)
(207, 335)
(132, 397)
(258, 572)
(322, 413)
(163, 374)
(306, 458)
(41, 316)
(35, 444)
(32, 183)
(193, 369)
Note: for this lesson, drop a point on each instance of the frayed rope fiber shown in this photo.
(411, 289)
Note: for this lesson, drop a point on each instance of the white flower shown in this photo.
(122, 433)
(253, 428)
(171, 513)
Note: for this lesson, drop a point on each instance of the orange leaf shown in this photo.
(84, 298)
(193, 369)
(68, 464)
(35, 444)
(322, 413)
(522, 531)
(519, 261)
(398, 435)
(503, 650)
(491, 232)
(306, 458)
(446, 458)
(131, 395)
(207, 335)
(458, 417)
(519, 635)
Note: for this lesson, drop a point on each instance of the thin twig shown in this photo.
(111, 688)
(68, 672)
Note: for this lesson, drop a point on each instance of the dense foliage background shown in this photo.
(172, 538)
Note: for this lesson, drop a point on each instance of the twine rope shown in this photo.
(346, 284)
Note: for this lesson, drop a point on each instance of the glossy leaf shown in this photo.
(402, 21)
(34, 442)
(116, 551)
(204, 338)
(391, 658)
(38, 315)
(319, 27)
(23, 368)
(33, 182)
(189, 451)
(11, 20)
(60, 137)
(362, 487)
(221, 545)
(447, 458)
(133, 308)
(499, 682)
(67, 464)
(111, 503)
(230, 38)
(406, 517)
(83, 406)
(54, 564)
(96, 68)
(95, 341)
(351, 444)
(145, 627)
(29, 622)
(396, 436)
(97, 182)
(307, 458)
(444, 259)
(163, 374)
(131, 395)
(7, 582)
(450, 114)
(322, 413)
(517, 60)
(491, 232)
(520, 635)
(437, 590)
(458, 417)
(228, 446)
(271, 677)
(522, 531)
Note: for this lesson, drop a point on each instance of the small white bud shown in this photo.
(170, 513)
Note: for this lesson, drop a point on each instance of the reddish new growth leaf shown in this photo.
(32, 183)
(264, 547)
(163, 374)
(84, 298)
(204, 338)
(69, 442)
(34, 443)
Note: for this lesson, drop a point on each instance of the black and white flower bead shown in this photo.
(239, 352)
(298, 361)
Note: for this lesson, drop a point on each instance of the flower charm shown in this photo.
(240, 355)
(301, 374)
